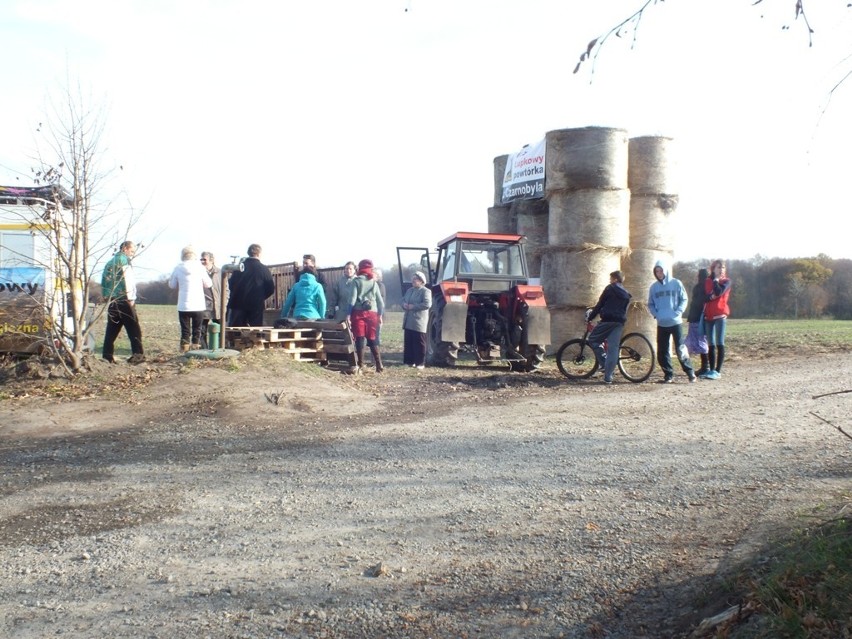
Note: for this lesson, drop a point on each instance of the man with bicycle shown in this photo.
(612, 307)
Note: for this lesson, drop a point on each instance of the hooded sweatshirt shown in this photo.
(612, 305)
(667, 298)
(305, 300)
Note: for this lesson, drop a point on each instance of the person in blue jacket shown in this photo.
(667, 301)
(306, 300)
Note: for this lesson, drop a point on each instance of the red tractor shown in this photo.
(482, 301)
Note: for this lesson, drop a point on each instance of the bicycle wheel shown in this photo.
(576, 359)
(636, 357)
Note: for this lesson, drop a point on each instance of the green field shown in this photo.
(746, 337)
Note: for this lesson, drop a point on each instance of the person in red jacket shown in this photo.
(717, 288)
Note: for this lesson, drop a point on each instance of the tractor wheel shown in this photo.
(439, 353)
(535, 358)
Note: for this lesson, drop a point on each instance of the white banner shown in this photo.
(524, 177)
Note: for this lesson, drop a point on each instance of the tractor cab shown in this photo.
(485, 261)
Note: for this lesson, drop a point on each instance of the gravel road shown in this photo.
(277, 501)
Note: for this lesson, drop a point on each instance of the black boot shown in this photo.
(711, 358)
(360, 343)
(704, 366)
(720, 357)
(377, 358)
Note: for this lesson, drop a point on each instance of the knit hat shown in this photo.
(419, 275)
(365, 267)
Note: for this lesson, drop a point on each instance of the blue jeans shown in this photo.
(665, 334)
(715, 331)
(609, 332)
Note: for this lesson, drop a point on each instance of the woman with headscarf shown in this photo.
(416, 303)
(366, 307)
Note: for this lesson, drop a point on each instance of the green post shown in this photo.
(213, 331)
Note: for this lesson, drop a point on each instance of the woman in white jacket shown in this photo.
(190, 278)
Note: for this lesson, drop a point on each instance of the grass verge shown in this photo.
(801, 587)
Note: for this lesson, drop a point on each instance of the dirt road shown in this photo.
(271, 499)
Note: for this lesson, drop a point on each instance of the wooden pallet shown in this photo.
(325, 341)
(301, 343)
(338, 344)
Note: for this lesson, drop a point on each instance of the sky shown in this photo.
(346, 128)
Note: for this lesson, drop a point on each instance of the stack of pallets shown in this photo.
(302, 344)
(323, 341)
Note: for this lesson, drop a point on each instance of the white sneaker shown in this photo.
(420, 367)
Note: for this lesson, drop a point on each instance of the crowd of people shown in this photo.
(707, 315)
(358, 298)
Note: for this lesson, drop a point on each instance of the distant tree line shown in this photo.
(156, 292)
(817, 287)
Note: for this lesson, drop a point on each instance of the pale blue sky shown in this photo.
(347, 128)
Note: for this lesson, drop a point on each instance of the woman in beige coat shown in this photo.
(416, 303)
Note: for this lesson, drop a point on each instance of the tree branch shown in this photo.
(822, 419)
(594, 47)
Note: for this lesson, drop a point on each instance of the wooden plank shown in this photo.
(338, 349)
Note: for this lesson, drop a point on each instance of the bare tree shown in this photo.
(629, 27)
(82, 224)
(797, 287)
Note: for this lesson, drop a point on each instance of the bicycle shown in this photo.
(636, 361)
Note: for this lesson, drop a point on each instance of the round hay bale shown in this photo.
(573, 277)
(501, 220)
(639, 320)
(585, 158)
(538, 206)
(590, 216)
(566, 322)
(499, 172)
(638, 270)
(534, 227)
(651, 221)
(652, 165)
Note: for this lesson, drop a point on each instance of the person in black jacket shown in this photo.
(249, 289)
(612, 307)
(696, 340)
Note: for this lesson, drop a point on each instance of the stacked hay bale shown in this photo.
(588, 221)
(652, 179)
(531, 220)
(501, 219)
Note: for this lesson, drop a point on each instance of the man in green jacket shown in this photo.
(118, 286)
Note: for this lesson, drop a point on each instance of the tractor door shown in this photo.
(413, 259)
